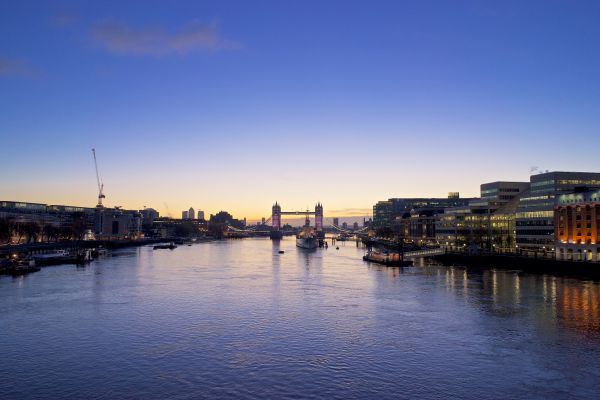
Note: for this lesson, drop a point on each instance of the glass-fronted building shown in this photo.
(535, 212)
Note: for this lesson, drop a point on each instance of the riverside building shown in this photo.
(577, 226)
(535, 211)
(105, 223)
(388, 213)
(485, 223)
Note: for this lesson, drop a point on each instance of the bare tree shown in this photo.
(7, 228)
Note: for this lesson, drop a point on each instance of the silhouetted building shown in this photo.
(184, 215)
(149, 215)
(114, 223)
(191, 213)
(200, 215)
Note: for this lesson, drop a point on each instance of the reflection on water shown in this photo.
(238, 319)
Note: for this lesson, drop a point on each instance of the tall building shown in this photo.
(577, 226)
(535, 211)
(336, 221)
(191, 213)
(184, 215)
(200, 215)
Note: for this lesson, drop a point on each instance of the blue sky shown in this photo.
(235, 104)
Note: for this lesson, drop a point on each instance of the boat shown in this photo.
(387, 258)
(23, 267)
(169, 246)
(307, 237)
(99, 252)
(61, 257)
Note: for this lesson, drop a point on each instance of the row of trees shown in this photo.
(32, 232)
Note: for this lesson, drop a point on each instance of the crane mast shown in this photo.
(100, 184)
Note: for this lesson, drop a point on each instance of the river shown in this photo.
(236, 319)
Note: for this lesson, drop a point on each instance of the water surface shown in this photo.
(236, 319)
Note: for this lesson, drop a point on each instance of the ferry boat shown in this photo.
(307, 237)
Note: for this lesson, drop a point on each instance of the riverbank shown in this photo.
(40, 248)
(577, 269)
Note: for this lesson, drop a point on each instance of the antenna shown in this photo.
(100, 184)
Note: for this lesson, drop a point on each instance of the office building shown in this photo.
(200, 215)
(535, 212)
(191, 214)
(388, 213)
(336, 221)
(184, 215)
(485, 223)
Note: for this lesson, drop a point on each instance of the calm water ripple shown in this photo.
(236, 319)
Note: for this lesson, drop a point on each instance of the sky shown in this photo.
(233, 105)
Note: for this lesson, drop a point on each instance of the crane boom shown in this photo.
(100, 184)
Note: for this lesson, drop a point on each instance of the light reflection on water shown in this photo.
(238, 319)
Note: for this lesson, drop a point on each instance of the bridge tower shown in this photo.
(319, 217)
(276, 217)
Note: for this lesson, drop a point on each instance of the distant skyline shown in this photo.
(235, 105)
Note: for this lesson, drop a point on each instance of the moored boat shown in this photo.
(387, 258)
(60, 257)
(169, 246)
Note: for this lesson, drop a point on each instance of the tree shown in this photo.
(7, 227)
(20, 231)
(32, 231)
(51, 232)
(79, 226)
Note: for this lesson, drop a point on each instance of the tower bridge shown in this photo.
(276, 214)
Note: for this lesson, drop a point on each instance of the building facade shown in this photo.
(75, 222)
(535, 212)
(577, 226)
(388, 213)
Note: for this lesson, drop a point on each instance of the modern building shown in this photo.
(535, 211)
(184, 214)
(191, 213)
(495, 195)
(485, 223)
(577, 226)
(386, 213)
(200, 215)
(336, 221)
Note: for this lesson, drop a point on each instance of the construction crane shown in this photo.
(100, 184)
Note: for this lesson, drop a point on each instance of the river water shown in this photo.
(236, 319)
